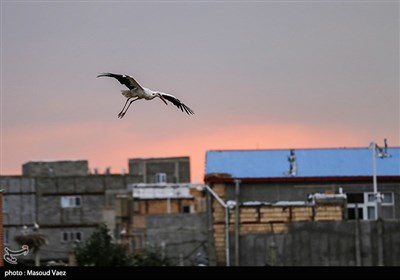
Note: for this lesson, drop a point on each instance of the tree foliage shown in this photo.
(151, 256)
(99, 250)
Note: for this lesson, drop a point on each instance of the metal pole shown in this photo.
(209, 230)
(237, 220)
(227, 239)
(357, 240)
(378, 197)
(220, 201)
(131, 223)
(223, 204)
(375, 182)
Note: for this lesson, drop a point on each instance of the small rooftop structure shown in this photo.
(173, 169)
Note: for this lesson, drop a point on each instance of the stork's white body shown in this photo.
(144, 93)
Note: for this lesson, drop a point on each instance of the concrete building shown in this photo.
(259, 181)
(167, 198)
(167, 215)
(68, 202)
(161, 170)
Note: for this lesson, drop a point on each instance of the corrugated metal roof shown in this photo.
(309, 163)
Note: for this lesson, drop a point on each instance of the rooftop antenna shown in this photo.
(382, 152)
(386, 146)
(107, 171)
(293, 163)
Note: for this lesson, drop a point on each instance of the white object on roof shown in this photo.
(320, 196)
(290, 203)
(255, 203)
(161, 193)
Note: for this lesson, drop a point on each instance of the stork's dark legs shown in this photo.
(122, 113)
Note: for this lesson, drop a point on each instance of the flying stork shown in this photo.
(137, 92)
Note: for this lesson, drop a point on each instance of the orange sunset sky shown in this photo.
(57, 144)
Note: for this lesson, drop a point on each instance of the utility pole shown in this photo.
(237, 221)
(381, 153)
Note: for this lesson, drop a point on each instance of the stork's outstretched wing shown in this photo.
(126, 80)
(177, 103)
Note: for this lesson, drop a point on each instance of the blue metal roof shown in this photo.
(309, 163)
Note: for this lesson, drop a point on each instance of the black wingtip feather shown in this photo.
(104, 75)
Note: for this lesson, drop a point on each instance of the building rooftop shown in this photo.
(55, 168)
(330, 162)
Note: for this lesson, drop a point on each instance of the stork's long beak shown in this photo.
(162, 98)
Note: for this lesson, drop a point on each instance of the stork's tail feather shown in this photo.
(126, 93)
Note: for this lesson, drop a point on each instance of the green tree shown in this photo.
(151, 256)
(99, 250)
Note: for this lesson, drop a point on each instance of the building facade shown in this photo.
(65, 202)
(290, 175)
(167, 215)
(275, 188)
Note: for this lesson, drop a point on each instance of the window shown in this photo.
(365, 203)
(352, 214)
(78, 236)
(161, 177)
(71, 236)
(5, 204)
(65, 237)
(355, 198)
(6, 238)
(185, 209)
(70, 201)
(387, 198)
(388, 205)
